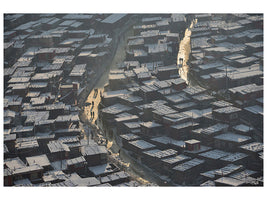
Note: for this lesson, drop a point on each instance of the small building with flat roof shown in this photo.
(230, 141)
(228, 114)
(94, 154)
(41, 160)
(187, 172)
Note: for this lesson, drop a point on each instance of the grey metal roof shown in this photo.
(224, 171)
(188, 165)
(253, 147)
(221, 103)
(176, 159)
(141, 144)
(211, 129)
(113, 18)
(64, 118)
(9, 137)
(150, 124)
(89, 181)
(234, 157)
(14, 163)
(246, 89)
(167, 140)
(229, 109)
(28, 169)
(130, 136)
(78, 70)
(114, 176)
(232, 137)
(26, 143)
(256, 109)
(161, 154)
(132, 125)
(116, 109)
(76, 160)
(215, 154)
(93, 150)
(41, 160)
(57, 146)
(229, 181)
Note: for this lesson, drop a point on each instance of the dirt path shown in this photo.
(118, 58)
(91, 110)
(184, 52)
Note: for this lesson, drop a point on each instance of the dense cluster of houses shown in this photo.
(48, 61)
(209, 134)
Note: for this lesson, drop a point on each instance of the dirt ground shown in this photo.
(184, 52)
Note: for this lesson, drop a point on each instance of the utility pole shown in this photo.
(88, 136)
(226, 78)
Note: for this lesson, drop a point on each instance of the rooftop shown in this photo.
(168, 140)
(214, 154)
(76, 160)
(161, 154)
(192, 141)
(177, 98)
(185, 105)
(203, 97)
(232, 137)
(56, 146)
(253, 147)
(212, 129)
(246, 89)
(194, 90)
(132, 125)
(116, 109)
(64, 118)
(157, 48)
(234, 157)
(221, 103)
(78, 16)
(14, 163)
(93, 150)
(224, 171)
(130, 136)
(242, 128)
(113, 18)
(41, 160)
(131, 98)
(85, 182)
(28, 169)
(176, 159)
(78, 70)
(195, 114)
(101, 169)
(184, 125)
(256, 109)
(141, 144)
(150, 124)
(227, 110)
(243, 174)
(26, 143)
(115, 93)
(210, 65)
(114, 177)
(188, 165)
(229, 181)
